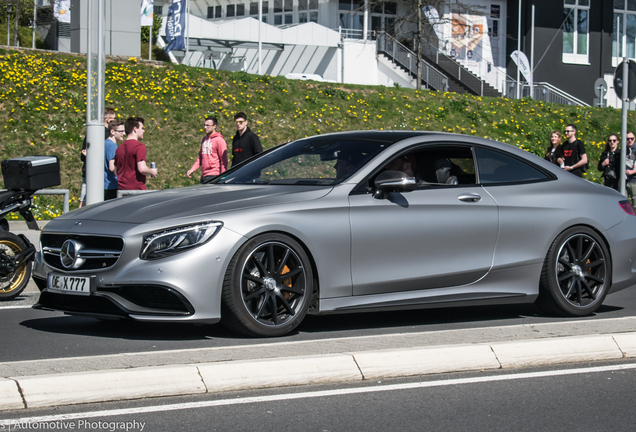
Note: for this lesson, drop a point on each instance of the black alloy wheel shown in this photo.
(577, 273)
(268, 287)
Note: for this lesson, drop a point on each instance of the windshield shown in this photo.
(312, 161)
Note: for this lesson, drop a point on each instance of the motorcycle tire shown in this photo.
(14, 283)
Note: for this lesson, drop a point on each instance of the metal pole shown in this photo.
(35, 17)
(150, 40)
(618, 32)
(95, 104)
(625, 102)
(187, 38)
(518, 50)
(8, 25)
(419, 46)
(532, 56)
(260, 45)
(365, 24)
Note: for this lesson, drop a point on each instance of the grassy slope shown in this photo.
(43, 102)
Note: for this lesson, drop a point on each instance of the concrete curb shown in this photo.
(121, 384)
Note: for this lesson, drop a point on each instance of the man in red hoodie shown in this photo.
(213, 154)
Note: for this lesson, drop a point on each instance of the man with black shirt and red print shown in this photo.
(573, 158)
(245, 143)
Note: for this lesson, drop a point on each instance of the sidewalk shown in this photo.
(56, 382)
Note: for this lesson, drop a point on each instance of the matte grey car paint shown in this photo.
(423, 248)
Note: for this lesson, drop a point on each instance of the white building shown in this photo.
(343, 40)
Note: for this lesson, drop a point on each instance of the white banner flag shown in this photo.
(61, 11)
(146, 13)
(433, 18)
(523, 64)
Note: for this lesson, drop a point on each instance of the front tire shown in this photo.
(13, 284)
(267, 287)
(576, 274)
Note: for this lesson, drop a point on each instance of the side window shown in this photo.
(495, 167)
(438, 164)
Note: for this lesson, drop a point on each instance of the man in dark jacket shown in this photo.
(245, 143)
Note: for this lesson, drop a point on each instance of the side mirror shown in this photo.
(393, 181)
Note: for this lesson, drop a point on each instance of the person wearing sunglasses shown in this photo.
(608, 163)
(574, 158)
(630, 167)
(115, 136)
(245, 143)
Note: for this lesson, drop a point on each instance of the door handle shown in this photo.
(470, 197)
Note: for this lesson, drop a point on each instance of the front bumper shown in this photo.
(183, 287)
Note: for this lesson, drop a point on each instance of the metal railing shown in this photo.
(346, 33)
(406, 58)
(546, 92)
(64, 192)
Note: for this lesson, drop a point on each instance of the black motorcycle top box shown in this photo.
(31, 172)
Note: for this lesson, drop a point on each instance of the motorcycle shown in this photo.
(16, 251)
(23, 177)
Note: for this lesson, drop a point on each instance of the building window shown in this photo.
(229, 11)
(210, 12)
(576, 31)
(624, 34)
(383, 16)
(218, 10)
(307, 11)
(283, 12)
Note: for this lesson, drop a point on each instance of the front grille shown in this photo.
(76, 303)
(144, 300)
(153, 297)
(100, 252)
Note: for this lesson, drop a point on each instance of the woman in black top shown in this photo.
(554, 149)
(608, 163)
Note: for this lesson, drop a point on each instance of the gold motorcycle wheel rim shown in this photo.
(16, 278)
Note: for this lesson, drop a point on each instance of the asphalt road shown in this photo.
(583, 397)
(31, 335)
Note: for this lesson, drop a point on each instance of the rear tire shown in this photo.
(576, 274)
(267, 287)
(14, 283)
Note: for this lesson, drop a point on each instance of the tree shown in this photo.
(22, 11)
(156, 27)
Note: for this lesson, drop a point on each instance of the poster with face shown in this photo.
(62, 11)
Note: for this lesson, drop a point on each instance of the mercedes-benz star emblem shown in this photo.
(70, 254)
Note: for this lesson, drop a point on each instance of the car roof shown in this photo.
(386, 136)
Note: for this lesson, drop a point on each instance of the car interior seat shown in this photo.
(443, 172)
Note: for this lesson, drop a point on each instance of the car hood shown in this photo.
(193, 201)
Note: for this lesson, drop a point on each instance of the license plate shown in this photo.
(69, 284)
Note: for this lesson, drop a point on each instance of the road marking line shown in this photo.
(316, 394)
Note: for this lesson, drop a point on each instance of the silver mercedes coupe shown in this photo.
(341, 223)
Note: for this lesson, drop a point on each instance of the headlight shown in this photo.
(174, 240)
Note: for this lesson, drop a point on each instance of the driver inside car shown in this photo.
(405, 163)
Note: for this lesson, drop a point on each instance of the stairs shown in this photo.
(460, 79)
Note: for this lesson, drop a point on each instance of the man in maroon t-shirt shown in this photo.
(130, 158)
